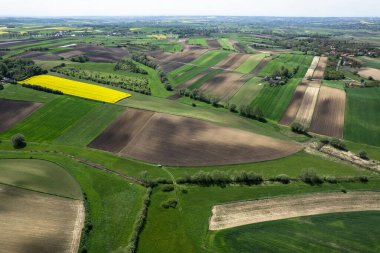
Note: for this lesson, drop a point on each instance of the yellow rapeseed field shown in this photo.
(78, 89)
(157, 36)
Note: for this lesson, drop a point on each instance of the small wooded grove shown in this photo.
(19, 69)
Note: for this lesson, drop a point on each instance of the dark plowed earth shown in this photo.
(121, 131)
(12, 112)
(295, 103)
(213, 43)
(232, 61)
(179, 141)
(328, 117)
(96, 53)
(239, 47)
(260, 66)
(37, 56)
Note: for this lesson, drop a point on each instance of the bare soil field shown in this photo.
(37, 56)
(7, 43)
(313, 66)
(35, 222)
(96, 53)
(232, 61)
(306, 110)
(122, 130)
(328, 118)
(180, 141)
(13, 112)
(320, 70)
(193, 80)
(294, 105)
(213, 43)
(238, 47)
(250, 212)
(224, 85)
(367, 72)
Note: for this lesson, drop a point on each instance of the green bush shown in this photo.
(298, 128)
(168, 188)
(282, 178)
(170, 203)
(363, 155)
(338, 144)
(309, 176)
(18, 141)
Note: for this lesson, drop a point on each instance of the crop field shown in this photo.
(226, 44)
(194, 142)
(320, 70)
(294, 105)
(335, 232)
(251, 63)
(306, 110)
(95, 53)
(233, 61)
(273, 101)
(213, 43)
(76, 88)
(313, 66)
(14, 112)
(328, 117)
(247, 93)
(199, 42)
(224, 85)
(289, 61)
(199, 80)
(367, 72)
(256, 211)
(361, 123)
(367, 62)
(53, 119)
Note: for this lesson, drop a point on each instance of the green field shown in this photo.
(337, 84)
(340, 232)
(198, 83)
(370, 62)
(251, 63)
(247, 93)
(17, 92)
(289, 61)
(273, 100)
(198, 41)
(53, 119)
(202, 63)
(39, 175)
(171, 47)
(226, 44)
(361, 117)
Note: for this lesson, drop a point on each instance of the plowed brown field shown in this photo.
(179, 141)
(291, 112)
(320, 70)
(232, 61)
(213, 43)
(250, 212)
(306, 110)
(13, 112)
(328, 118)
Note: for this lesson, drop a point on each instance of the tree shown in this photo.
(363, 155)
(232, 107)
(18, 141)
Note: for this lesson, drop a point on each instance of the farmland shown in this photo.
(154, 134)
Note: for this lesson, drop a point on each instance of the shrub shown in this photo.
(1, 86)
(331, 179)
(325, 140)
(168, 188)
(363, 155)
(282, 179)
(338, 144)
(248, 178)
(309, 176)
(363, 179)
(18, 141)
(232, 108)
(170, 203)
(298, 128)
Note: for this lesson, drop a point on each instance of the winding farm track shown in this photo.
(256, 211)
(180, 141)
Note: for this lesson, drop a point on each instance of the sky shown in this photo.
(294, 8)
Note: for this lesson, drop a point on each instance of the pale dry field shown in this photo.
(250, 212)
(367, 72)
(320, 70)
(306, 110)
(328, 117)
(294, 105)
(35, 222)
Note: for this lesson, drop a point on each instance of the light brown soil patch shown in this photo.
(328, 118)
(224, 85)
(367, 72)
(213, 43)
(291, 112)
(306, 110)
(180, 141)
(13, 112)
(320, 70)
(250, 212)
(232, 61)
(34, 222)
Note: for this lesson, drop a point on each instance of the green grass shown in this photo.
(39, 175)
(84, 130)
(292, 166)
(362, 116)
(370, 62)
(187, 225)
(247, 93)
(289, 61)
(198, 83)
(273, 101)
(171, 47)
(205, 61)
(198, 41)
(337, 232)
(340, 84)
(226, 44)
(17, 92)
(372, 151)
(250, 63)
(53, 119)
